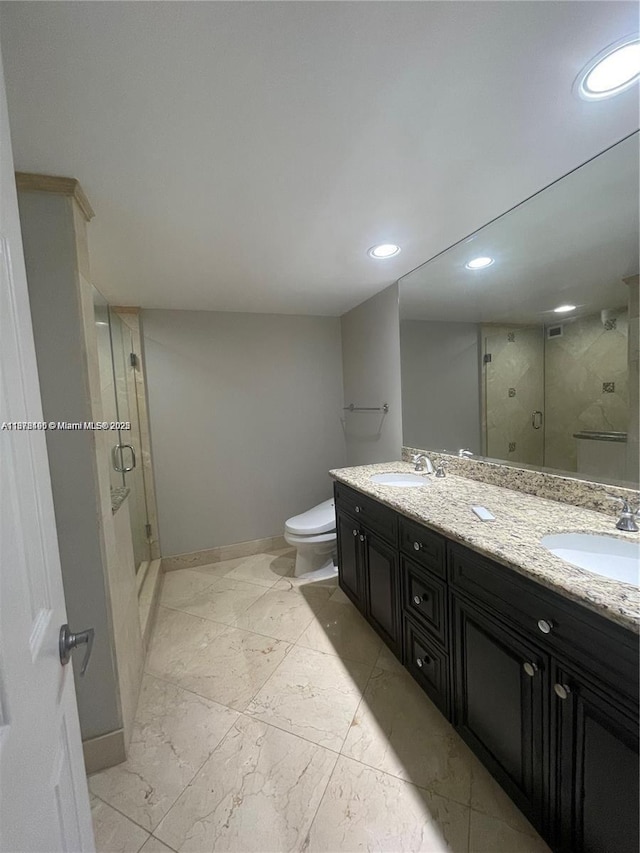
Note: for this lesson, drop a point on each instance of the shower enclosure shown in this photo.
(124, 402)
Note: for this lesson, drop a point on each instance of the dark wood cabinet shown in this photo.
(381, 582)
(349, 559)
(500, 693)
(368, 563)
(596, 792)
(544, 690)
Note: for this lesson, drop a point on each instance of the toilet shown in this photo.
(313, 534)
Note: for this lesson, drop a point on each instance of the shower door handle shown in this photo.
(117, 449)
(536, 419)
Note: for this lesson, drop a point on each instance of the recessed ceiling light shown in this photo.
(613, 70)
(479, 263)
(563, 309)
(383, 251)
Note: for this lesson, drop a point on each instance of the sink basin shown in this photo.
(403, 481)
(607, 556)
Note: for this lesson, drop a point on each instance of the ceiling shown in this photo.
(244, 156)
(574, 243)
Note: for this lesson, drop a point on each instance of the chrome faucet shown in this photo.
(422, 463)
(440, 469)
(628, 516)
(464, 454)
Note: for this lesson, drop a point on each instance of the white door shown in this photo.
(44, 804)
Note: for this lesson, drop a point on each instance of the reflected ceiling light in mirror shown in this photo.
(384, 251)
(564, 309)
(613, 70)
(479, 263)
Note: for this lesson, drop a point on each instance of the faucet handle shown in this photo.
(464, 454)
(627, 519)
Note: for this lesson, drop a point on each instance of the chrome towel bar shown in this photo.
(353, 408)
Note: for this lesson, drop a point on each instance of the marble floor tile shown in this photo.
(224, 664)
(340, 598)
(312, 695)
(115, 833)
(365, 809)
(397, 729)
(154, 845)
(490, 835)
(259, 791)
(340, 630)
(174, 733)
(387, 660)
(264, 569)
(223, 600)
(488, 797)
(177, 640)
(181, 586)
(283, 613)
(292, 582)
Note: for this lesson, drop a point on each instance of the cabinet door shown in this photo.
(597, 772)
(382, 590)
(499, 703)
(349, 558)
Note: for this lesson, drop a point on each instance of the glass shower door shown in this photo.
(127, 452)
(513, 367)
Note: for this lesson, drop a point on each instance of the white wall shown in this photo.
(245, 420)
(371, 363)
(61, 350)
(441, 385)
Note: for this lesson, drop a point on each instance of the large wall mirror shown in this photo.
(520, 343)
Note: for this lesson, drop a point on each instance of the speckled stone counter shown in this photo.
(513, 539)
(118, 497)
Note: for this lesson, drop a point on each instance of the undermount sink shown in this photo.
(404, 481)
(607, 556)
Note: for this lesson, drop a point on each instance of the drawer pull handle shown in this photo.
(420, 662)
(418, 599)
(545, 625)
(562, 691)
(417, 546)
(362, 537)
(357, 509)
(355, 532)
(530, 668)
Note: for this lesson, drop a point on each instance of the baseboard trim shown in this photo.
(104, 751)
(224, 552)
(148, 600)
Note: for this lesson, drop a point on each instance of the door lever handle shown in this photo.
(69, 642)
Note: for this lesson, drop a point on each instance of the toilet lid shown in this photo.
(319, 519)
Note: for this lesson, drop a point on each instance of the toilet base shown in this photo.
(310, 564)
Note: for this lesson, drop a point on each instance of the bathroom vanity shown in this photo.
(534, 662)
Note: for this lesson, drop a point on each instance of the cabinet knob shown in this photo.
(355, 532)
(562, 690)
(417, 546)
(420, 662)
(362, 537)
(418, 599)
(545, 625)
(530, 668)
(357, 509)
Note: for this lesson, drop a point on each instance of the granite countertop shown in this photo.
(118, 497)
(513, 539)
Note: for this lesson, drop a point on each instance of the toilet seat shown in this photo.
(293, 539)
(318, 520)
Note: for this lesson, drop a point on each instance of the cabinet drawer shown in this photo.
(428, 664)
(607, 650)
(424, 598)
(423, 546)
(381, 519)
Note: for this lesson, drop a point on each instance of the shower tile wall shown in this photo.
(586, 384)
(514, 389)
